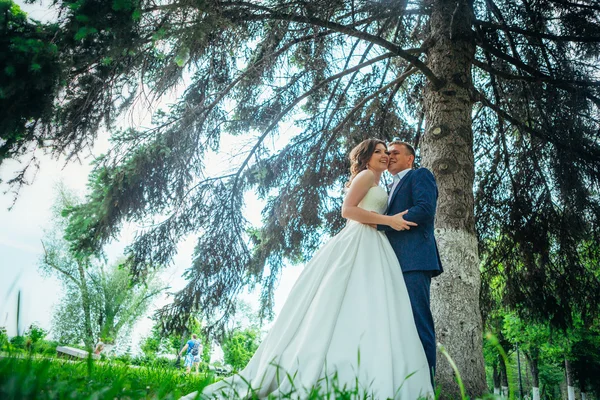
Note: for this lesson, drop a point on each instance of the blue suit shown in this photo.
(416, 248)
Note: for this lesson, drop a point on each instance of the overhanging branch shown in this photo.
(275, 121)
(529, 78)
(578, 5)
(350, 31)
(541, 35)
(541, 77)
(591, 155)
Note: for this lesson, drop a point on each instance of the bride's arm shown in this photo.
(356, 192)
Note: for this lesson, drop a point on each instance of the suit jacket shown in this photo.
(416, 248)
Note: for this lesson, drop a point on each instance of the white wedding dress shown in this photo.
(347, 322)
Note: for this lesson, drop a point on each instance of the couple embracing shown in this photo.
(358, 317)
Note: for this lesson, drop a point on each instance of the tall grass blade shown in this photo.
(461, 385)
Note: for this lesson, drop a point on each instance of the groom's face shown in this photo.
(400, 158)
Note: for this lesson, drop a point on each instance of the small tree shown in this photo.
(239, 347)
(531, 339)
(240, 342)
(35, 333)
(100, 300)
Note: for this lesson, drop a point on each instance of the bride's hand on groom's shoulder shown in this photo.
(398, 222)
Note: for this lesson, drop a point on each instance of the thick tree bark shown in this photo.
(447, 150)
(86, 305)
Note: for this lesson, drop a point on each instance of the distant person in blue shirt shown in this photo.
(192, 357)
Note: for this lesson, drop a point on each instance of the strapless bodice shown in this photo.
(375, 200)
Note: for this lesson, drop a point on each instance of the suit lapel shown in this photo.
(400, 184)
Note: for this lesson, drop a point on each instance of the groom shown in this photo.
(416, 249)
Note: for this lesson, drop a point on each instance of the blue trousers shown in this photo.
(418, 284)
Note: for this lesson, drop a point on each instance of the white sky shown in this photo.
(21, 231)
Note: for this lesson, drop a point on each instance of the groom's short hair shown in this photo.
(408, 147)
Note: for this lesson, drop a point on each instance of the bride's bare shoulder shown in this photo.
(365, 176)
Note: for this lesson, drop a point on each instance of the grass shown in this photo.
(35, 378)
(42, 378)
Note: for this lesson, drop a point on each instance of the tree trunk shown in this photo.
(86, 305)
(535, 374)
(570, 385)
(447, 150)
(496, 379)
(503, 379)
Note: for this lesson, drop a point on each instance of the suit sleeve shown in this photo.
(424, 192)
(384, 228)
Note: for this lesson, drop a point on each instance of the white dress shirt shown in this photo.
(397, 178)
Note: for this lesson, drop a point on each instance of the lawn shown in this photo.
(39, 378)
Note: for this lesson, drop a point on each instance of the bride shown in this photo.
(347, 323)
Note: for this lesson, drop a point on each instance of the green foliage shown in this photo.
(115, 305)
(100, 301)
(45, 348)
(18, 342)
(239, 346)
(253, 70)
(30, 78)
(158, 343)
(3, 337)
(56, 85)
(35, 333)
(543, 352)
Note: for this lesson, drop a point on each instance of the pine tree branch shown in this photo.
(538, 41)
(563, 83)
(591, 154)
(396, 82)
(539, 35)
(249, 70)
(297, 100)
(359, 105)
(535, 79)
(350, 81)
(578, 5)
(502, 131)
(350, 31)
(327, 121)
(496, 11)
(392, 12)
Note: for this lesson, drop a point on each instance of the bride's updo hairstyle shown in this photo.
(360, 156)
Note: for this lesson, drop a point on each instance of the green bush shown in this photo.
(18, 342)
(35, 333)
(3, 338)
(45, 347)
